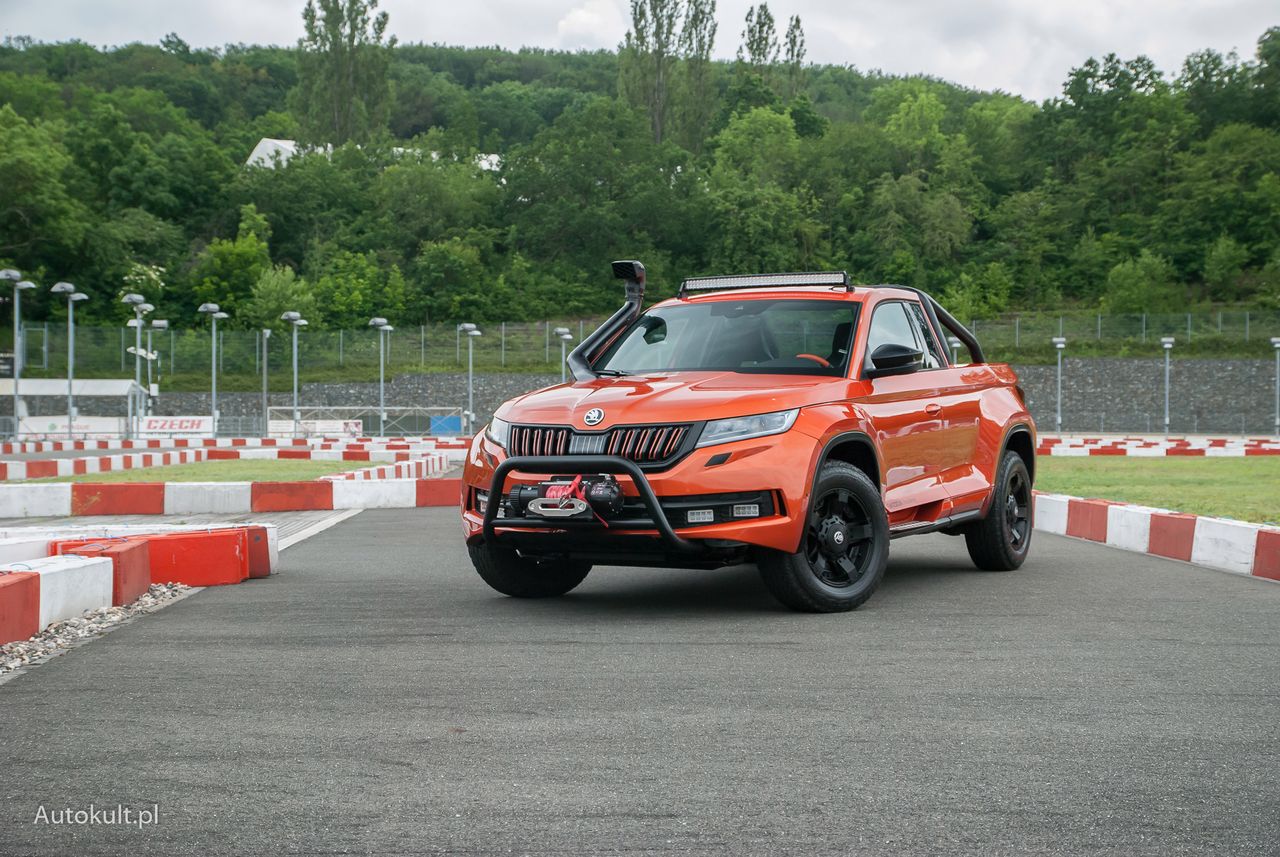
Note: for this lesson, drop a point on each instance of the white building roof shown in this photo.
(36, 387)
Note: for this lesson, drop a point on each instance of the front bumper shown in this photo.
(649, 534)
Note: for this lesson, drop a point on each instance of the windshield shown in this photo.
(789, 337)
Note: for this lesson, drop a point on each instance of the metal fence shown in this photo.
(104, 352)
(329, 354)
(1023, 330)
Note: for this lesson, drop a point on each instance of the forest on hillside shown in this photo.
(123, 170)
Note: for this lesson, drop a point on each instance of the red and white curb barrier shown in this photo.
(101, 567)
(1219, 543)
(62, 499)
(360, 443)
(435, 461)
(1158, 447)
(14, 471)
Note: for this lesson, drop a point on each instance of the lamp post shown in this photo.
(1059, 343)
(1275, 343)
(266, 420)
(140, 308)
(156, 324)
(214, 313)
(565, 339)
(955, 350)
(19, 285)
(562, 334)
(72, 297)
(296, 320)
(379, 324)
(472, 332)
(1167, 343)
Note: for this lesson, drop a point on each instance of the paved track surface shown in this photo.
(375, 697)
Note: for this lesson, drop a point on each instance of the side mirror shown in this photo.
(894, 359)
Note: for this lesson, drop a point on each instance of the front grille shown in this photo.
(652, 445)
(646, 444)
(539, 440)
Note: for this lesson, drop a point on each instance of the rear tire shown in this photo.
(843, 551)
(1001, 540)
(522, 577)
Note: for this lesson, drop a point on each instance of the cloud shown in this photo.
(1022, 46)
(594, 24)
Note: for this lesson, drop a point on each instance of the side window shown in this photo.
(889, 326)
(933, 358)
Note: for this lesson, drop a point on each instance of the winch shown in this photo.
(598, 495)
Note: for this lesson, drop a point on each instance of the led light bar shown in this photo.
(765, 281)
(746, 510)
(701, 516)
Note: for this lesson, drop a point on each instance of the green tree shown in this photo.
(647, 58)
(794, 57)
(342, 84)
(354, 288)
(226, 271)
(1144, 284)
(278, 290)
(1224, 261)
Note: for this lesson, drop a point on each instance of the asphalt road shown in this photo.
(375, 697)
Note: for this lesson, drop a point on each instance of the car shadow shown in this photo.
(735, 589)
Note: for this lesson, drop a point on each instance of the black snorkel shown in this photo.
(631, 273)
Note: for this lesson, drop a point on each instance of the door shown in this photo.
(906, 415)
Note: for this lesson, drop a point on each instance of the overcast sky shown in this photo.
(1021, 46)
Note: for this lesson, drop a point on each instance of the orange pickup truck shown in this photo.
(796, 421)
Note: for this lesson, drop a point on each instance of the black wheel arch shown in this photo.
(855, 448)
(1019, 438)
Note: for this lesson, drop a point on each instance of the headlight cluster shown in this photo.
(742, 428)
(497, 431)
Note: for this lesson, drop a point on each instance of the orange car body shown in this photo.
(936, 436)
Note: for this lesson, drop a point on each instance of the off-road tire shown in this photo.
(991, 542)
(792, 577)
(522, 577)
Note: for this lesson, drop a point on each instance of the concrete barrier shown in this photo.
(1051, 513)
(211, 558)
(23, 548)
(70, 585)
(118, 498)
(186, 498)
(34, 501)
(130, 563)
(374, 494)
(19, 605)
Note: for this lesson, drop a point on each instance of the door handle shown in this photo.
(932, 409)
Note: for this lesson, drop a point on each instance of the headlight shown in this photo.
(741, 428)
(497, 432)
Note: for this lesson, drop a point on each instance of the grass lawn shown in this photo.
(235, 470)
(1247, 489)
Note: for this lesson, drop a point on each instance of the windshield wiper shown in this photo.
(612, 373)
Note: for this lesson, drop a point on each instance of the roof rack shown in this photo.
(766, 281)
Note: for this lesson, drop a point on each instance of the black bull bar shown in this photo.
(557, 465)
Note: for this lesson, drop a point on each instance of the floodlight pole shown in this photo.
(1059, 343)
(379, 324)
(562, 333)
(266, 336)
(19, 284)
(71, 366)
(296, 415)
(1275, 342)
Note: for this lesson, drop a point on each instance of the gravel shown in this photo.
(60, 636)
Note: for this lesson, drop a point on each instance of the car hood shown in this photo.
(678, 397)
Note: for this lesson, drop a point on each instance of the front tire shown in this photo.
(844, 549)
(523, 577)
(1001, 540)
